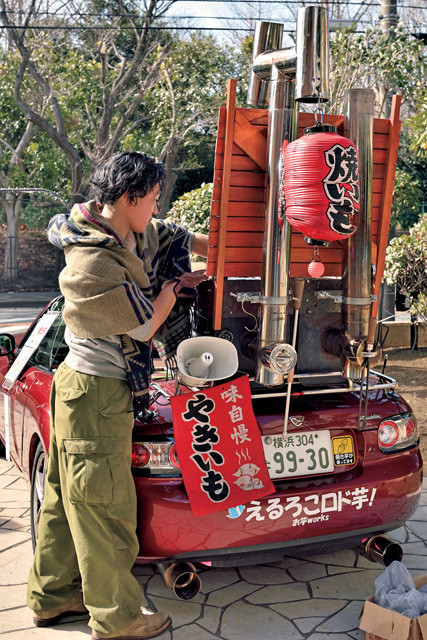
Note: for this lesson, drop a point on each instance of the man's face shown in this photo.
(141, 213)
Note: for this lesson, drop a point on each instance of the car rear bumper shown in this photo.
(320, 513)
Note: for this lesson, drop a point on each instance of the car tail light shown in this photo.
(397, 433)
(155, 457)
(140, 455)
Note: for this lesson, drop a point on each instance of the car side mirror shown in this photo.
(7, 344)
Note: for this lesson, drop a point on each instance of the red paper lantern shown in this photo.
(321, 184)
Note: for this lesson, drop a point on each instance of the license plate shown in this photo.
(301, 454)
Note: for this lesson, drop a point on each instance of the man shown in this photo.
(124, 272)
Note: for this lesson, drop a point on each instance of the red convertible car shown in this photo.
(337, 483)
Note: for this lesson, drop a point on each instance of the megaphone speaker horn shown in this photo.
(206, 359)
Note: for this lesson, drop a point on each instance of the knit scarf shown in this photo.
(108, 290)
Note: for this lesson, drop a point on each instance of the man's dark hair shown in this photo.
(130, 172)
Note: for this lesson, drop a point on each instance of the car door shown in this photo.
(26, 412)
(38, 378)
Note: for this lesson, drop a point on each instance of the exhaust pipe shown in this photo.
(381, 549)
(182, 578)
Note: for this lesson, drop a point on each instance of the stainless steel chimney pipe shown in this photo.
(312, 77)
(282, 124)
(356, 282)
(309, 63)
(268, 37)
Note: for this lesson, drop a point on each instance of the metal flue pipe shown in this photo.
(357, 277)
(309, 65)
(268, 37)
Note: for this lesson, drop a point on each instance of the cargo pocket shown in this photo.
(98, 470)
(119, 402)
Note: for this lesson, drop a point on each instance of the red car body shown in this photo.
(373, 492)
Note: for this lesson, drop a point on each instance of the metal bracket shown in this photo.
(257, 298)
(338, 298)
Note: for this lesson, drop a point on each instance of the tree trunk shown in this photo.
(12, 204)
(171, 153)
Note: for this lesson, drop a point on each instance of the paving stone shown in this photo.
(418, 548)
(348, 586)
(217, 579)
(415, 562)
(313, 606)
(14, 483)
(420, 514)
(16, 562)
(419, 528)
(191, 632)
(286, 562)
(10, 538)
(12, 597)
(332, 571)
(364, 563)
(227, 595)
(265, 575)
(17, 524)
(6, 467)
(358, 634)
(342, 558)
(329, 636)
(211, 618)
(242, 621)
(181, 611)
(400, 535)
(307, 571)
(345, 620)
(285, 593)
(305, 625)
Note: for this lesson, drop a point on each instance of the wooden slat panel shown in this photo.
(249, 209)
(387, 196)
(251, 140)
(224, 196)
(380, 141)
(255, 225)
(244, 179)
(245, 222)
(239, 239)
(253, 270)
(241, 194)
(305, 255)
(381, 125)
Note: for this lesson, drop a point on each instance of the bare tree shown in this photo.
(12, 201)
(123, 77)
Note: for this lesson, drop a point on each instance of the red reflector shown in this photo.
(173, 457)
(140, 455)
(410, 428)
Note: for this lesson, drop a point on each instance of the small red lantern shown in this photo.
(321, 184)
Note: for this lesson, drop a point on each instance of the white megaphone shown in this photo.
(205, 359)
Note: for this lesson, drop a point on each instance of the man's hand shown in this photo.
(184, 287)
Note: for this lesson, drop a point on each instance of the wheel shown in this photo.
(38, 476)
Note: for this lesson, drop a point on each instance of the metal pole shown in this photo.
(282, 124)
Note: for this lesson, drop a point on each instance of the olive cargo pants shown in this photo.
(88, 520)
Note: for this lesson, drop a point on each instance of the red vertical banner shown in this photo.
(219, 447)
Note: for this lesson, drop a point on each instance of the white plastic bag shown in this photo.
(395, 589)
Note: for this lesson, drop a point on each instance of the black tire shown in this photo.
(38, 476)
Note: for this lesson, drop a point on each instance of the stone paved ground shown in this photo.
(315, 598)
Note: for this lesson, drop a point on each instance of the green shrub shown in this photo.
(192, 209)
(406, 266)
